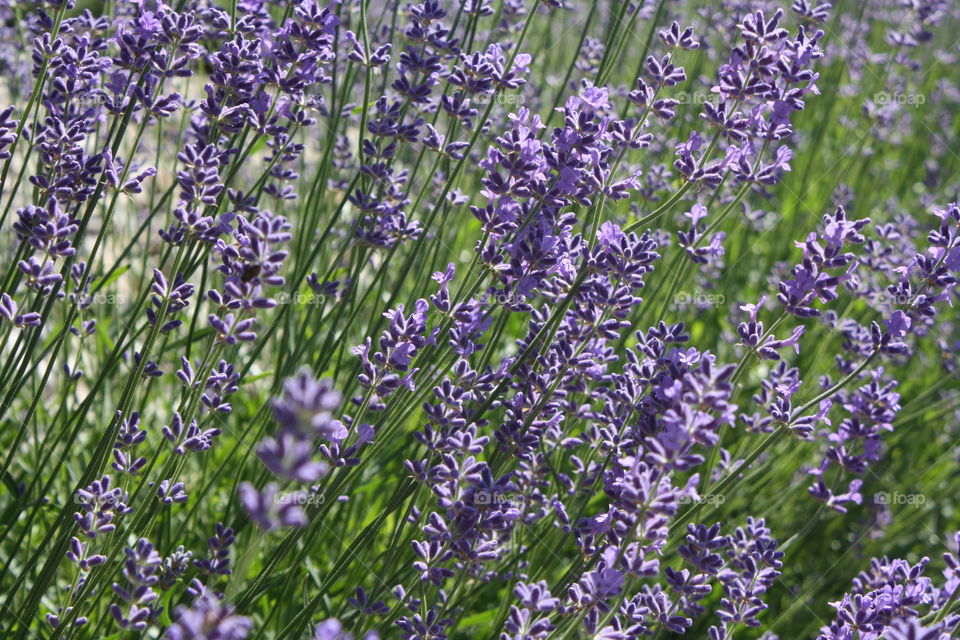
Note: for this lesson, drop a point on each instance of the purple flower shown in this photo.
(170, 492)
(139, 569)
(99, 505)
(231, 330)
(207, 619)
(218, 546)
(188, 437)
(8, 310)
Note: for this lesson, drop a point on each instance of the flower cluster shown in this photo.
(486, 318)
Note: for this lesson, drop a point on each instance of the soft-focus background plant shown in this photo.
(479, 319)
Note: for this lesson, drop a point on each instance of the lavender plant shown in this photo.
(506, 319)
